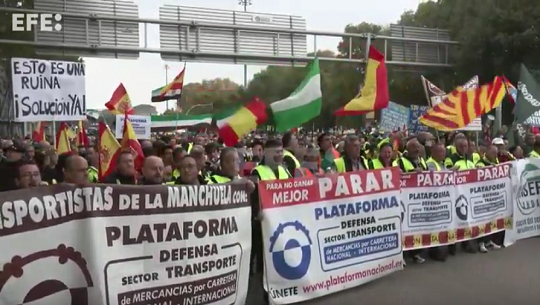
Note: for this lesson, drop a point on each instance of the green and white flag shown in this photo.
(302, 105)
(527, 105)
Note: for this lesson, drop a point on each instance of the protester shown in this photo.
(28, 175)
(76, 170)
(125, 172)
(189, 172)
(152, 171)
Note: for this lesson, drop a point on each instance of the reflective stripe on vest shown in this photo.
(288, 153)
(266, 173)
(219, 179)
(406, 166)
(169, 183)
(190, 146)
(534, 154)
(340, 165)
(432, 161)
(375, 164)
(176, 173)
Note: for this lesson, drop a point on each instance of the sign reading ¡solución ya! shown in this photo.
(48, 90)
(119, 245)
(326, 234)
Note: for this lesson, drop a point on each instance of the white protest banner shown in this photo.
(484, 201)
(120, 245)
(141, 125)
(326, 234)
(526, 222)
(48, 90)
(428, 209)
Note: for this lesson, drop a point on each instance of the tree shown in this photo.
(210, 96)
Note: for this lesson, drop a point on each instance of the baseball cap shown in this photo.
(497, 141)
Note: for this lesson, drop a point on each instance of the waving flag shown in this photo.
(38, 135)
(81, 140)
(242, 121)
(510, 89)
(62, 139)
(172, 91)
(129, 141)
(460, 107)
(109, 149)
(120, 102)
(374, 95)
(303, 104)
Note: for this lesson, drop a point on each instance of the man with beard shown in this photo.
(152, 171)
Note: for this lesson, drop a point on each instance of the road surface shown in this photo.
(501, 277)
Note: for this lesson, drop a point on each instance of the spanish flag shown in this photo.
(108, 149)
(81, 140)
(172, 91)
(120, 102)
(460, 107)
(374, 95)
(130, 142)
(62, 139)
(241, 122)
(38, 135)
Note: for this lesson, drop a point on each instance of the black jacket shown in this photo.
(116, 178)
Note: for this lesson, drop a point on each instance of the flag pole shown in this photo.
(178, 101)
(429, 102)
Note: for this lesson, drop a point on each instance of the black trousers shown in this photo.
(257, 295)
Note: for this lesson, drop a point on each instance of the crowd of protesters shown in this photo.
(202, 159)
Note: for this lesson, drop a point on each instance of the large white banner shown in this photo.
(141, 125)
(48, 90)
(427, 201)
(484, 201)
(125, 245)
(327, 234)
(526, 197)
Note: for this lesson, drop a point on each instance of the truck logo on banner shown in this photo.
(462, 208)
(291, 250)
(527, 199)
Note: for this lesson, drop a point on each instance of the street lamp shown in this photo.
(167, 67)
(199, 105)
(245, 4)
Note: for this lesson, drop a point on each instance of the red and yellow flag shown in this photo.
(108, 149)
(62, 139)
(120, 102)
(38, 135)
(172, 91)
(81, 140)
(241, 122)
(460, 107)
(374, 95)
(129, 141)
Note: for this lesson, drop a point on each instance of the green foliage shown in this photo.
(210, 96)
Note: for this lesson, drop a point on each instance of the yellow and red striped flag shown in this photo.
(460, 107)
(130, 142)
(62, 139)
(242, 121)
(108, 149)
(172, 91)
(120, 103)
(374, 95)
(38, 135)
(81, 140)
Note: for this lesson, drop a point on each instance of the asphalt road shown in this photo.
(501, 277)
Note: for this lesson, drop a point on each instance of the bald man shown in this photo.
(152, 171)
(411, 161)
(76, 170)
(197, 152)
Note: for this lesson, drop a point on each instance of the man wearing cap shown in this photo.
(504, 155)
(13, 152)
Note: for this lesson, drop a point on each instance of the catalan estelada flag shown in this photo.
(62, 139)
(130, 142)
(172, 91)
(81, 140)
(120, 102)
(460, 107)
(233, 127)
(374, 95)
(38, 135)
(108, 149)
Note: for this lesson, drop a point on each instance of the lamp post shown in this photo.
(199, 105)
(167, 67)
(245, 4)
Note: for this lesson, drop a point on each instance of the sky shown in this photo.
(141, 76)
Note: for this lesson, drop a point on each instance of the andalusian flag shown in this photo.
(460, 107)
(120, 102)
(241, 122)
(172, 91)
(108, 149)
(130, 142)
(302, 105)
(62, 139)
(374, 95)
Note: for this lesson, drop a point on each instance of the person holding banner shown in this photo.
(76, 170)
(189, 172)
(229, 166)
(490, 158)
(28, 175)
(384, 159)
(152, 171)
(125, 170)
(438, 155)
(535, 153)
(351, 160)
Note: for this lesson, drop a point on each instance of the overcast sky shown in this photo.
(148, 72)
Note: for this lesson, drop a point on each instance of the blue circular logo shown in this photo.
(289, 242)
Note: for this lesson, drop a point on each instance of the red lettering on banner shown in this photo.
(314, 189)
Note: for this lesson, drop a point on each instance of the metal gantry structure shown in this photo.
(111, 29)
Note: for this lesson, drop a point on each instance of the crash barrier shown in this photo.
(327, 234)
(123, 245)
